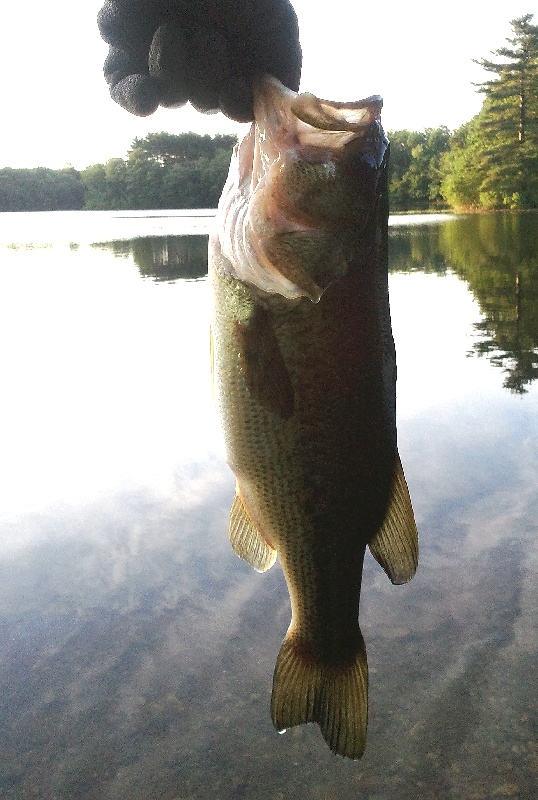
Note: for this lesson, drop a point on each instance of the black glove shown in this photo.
(165, 52)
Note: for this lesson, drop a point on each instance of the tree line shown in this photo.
(186, 170)
(493, 159)
(41, 189)
(490, 162)
(162, 170)
(165, 170)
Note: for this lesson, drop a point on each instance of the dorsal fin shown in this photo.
(395, 545)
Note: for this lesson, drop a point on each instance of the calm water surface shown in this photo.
(136, 650)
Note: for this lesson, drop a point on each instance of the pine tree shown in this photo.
(507, 126)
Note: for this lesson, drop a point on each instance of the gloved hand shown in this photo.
(165, 52)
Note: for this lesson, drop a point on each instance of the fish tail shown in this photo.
(334, 696)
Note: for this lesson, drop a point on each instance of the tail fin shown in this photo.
(334, 696)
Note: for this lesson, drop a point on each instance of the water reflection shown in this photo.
(164, 258)
(136, 650)
(52, 228)
(416, 248)
(497, 256)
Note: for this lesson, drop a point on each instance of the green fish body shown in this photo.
(304, 373)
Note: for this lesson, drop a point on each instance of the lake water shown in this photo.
(136, 649)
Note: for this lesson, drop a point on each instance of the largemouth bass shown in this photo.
(304, 372)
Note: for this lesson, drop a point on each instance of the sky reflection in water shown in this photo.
(137, 651)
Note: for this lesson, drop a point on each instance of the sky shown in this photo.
(416, 54)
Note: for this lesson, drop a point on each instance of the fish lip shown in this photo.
(336, 115)
(319, 126)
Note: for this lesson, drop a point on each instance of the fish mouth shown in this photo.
(285, 117)
(302, 182)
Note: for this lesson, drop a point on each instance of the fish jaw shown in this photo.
(278, 231)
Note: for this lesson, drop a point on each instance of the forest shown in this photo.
(162, 170)
(490, 162)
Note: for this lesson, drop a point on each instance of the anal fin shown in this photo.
(395, 545)
(246, 540)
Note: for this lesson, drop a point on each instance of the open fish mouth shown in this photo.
(321, 124)
(287, 199)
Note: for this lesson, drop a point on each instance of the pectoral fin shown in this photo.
(246, 541)
(265, 371)
(395, 545)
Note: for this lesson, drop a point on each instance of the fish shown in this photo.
(304, 376)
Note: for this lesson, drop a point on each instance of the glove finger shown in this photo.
(167, 63)
(138, 94)
(236, 99)
(129, 24)
(280, 54)
(254, 19)
(209, 66)
(119, 63)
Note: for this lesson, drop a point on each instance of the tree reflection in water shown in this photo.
(164, 258)
(497, 256)
(136, 649)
